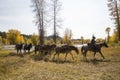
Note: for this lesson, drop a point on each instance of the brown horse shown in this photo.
(85, 49)
(27, 47)
(19, 47)
(65, 49)
(45, 48)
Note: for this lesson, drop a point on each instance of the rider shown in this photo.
(93, 42)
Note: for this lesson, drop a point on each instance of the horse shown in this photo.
(19, 47)
(36, 48)
(85, 49)
(48, 49)
(65, 49)
(27, 47)
(45, 48)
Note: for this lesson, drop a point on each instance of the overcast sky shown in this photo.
(83, 17)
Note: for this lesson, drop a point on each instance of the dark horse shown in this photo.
(85, 49)
(45, 48)
(65, 49)
(19, 47)
(27, 47)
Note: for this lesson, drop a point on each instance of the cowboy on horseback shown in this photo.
(93, 43)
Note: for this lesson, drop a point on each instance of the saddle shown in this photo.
(92, 46)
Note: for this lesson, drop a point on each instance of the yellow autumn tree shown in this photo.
(35, 39)
(20, 39)
(114, 37)
(12, 35)
(29, 41)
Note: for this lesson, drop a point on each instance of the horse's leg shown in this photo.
(20, 51)
(101, 54)
(71, 55)
(50, 53)
(58, 57)
(28, 51)
(25, 51)
(85, 53)
(66, 56)
(35, 51)
(17, 51)
(54, 56)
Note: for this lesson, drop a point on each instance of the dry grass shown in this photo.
(31, 67)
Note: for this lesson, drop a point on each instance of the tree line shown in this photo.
(13, 36)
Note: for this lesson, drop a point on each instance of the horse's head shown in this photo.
(105, 44)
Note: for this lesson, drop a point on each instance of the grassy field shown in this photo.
(30, 67)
